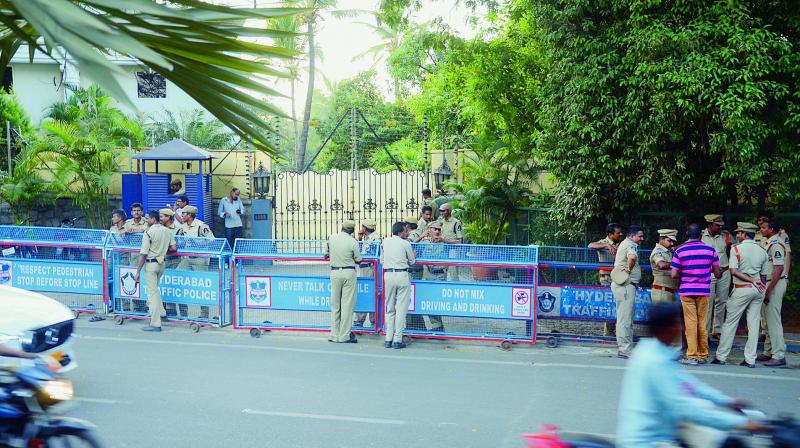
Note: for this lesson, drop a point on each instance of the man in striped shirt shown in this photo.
(693, 263)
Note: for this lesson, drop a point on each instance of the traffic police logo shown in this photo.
(5, 273)
(258, 291)
(128, 285)
(547, 302)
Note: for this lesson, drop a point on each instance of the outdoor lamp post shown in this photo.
(261, 180)
(442, 174)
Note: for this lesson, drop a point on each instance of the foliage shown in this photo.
(79, 145)
(207, 59)
(651, 104)
(421, 50)
(24, 188)
(22, 132)
(191, 126)
(407, 152)
(391, 122)
(496, 183)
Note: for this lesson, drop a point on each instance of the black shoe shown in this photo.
(151, 328)
(350, 341)
(745, 364)
(398, 345)
(718, 362)
(387, 344)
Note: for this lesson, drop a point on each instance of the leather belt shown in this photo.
(334, 268)
(664, 288)
(746, 285)
(396, 270)
(152, 260)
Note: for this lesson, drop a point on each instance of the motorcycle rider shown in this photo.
(658, 395)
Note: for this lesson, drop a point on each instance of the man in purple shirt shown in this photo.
(693, 263)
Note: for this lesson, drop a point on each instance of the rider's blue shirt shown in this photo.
(658, 394)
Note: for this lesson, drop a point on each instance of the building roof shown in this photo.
(175, 150)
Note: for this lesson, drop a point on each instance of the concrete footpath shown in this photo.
(224, 388)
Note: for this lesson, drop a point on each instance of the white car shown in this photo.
(40, 324)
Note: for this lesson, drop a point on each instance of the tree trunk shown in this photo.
(294, 120)
(300, 153)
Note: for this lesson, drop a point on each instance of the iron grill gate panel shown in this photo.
(312, 206)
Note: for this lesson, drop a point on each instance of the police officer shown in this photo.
(749, 266)
(764, 216)
(425, 218)
(664, 286)
(433, 235)
(156, 241)
(606, 251)
(396, 257)
(720, 240)
(118, 219)
(625, 278)
(195, 228)
(452, 229)
(370, 239)
(344, 255)
(136, 224)
(168, 221)
(774, 346)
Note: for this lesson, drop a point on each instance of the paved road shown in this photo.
(224, 388)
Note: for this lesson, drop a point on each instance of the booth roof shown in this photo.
(175, 150)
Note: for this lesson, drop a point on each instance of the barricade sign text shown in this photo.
(300, 293)
(53, 276)
(498, 301)
(586, 302)
(177, 286)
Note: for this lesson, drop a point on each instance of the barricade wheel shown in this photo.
(255, 332)
(552, 341)
(406, 339)
(119, 320)
(195, 328)
(77, 314)
(506, 345)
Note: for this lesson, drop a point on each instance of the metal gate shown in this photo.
(312, 206)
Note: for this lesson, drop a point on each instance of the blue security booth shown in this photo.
(153, 189)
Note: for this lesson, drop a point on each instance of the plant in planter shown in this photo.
(496, 181)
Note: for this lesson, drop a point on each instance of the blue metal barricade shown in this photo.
(285, 285)
(195, 287)
(570, 290)
(66, 264)
(463, 291)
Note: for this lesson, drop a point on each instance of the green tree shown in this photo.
(21, 130)
(645, 105)
(191, 126)
(194, 44)
(79, 146)
(25, 188)
(391, 122)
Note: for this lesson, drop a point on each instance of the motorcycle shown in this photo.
(68, 253)
(783, 432)
(28, 411)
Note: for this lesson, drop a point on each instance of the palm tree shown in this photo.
(191, 126)
(79, 146)
(391, 35)
(293, 42)
(194, 44)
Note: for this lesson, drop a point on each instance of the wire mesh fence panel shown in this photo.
(285, 284)
(195, 286)
(67, 265)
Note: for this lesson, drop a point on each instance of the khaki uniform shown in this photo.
(132, 226)
(762, 241)
(114, 230)
(604, 256)
(155, 244)
(367, 270)
(396, 257)
(343, 252)
(197, 229)
(750, 259)
(452, 229)
(720, 287)
(417, 233)
(664, 286)
(434, 273)
(625, 295)
(774, 344)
